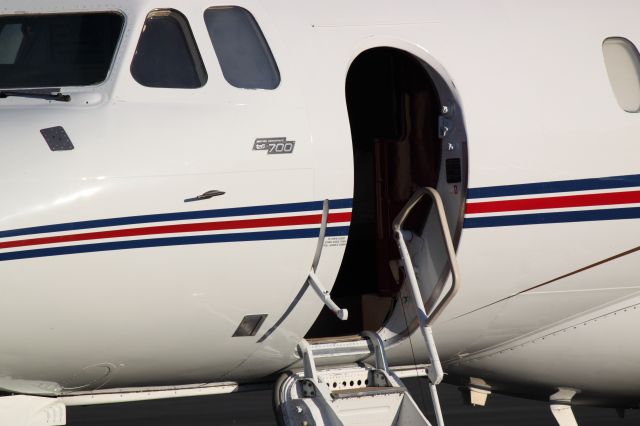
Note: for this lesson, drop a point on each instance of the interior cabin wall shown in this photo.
(393, 111)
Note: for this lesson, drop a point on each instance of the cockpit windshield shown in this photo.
(57, 50)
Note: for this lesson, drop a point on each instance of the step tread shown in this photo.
(367, 391)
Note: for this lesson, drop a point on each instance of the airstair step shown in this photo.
(368, 391)
(326, 396)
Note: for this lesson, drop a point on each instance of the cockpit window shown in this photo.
(243, 52)
(57, 50)
(167, 54)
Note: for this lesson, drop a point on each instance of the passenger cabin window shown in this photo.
(167, 54)
(243, 52)
(623, 67)
(57, 50)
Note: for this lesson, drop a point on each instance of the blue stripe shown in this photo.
(166, 217)
(556, 217)
(612, 182)
(174, 241)
(345, 203)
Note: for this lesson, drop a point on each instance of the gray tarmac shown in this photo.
(254, 408)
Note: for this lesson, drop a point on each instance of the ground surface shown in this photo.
(254, 408)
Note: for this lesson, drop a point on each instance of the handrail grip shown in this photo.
(446, 235)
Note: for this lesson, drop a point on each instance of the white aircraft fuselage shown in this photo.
(115, 274)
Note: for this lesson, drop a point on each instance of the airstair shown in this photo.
(362, 394)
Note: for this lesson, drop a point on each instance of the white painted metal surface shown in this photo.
(32, 411)
(538, 109)
(115, 396)
(560, 404)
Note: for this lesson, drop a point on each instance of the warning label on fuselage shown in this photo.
(339, 241)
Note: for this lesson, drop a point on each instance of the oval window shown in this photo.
(623, 67)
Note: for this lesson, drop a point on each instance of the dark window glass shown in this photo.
(57, 50)
(243, 52)
(167, 54)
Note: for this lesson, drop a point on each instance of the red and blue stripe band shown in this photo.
(165, 234)
(536, 203)
(506, 205)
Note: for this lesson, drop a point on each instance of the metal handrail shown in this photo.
(444, 229)
(435, 372)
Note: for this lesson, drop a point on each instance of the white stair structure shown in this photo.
(348, 395)
(357, 394)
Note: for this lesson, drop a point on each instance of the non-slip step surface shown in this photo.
(368, 391)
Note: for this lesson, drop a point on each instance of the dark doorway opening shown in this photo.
(393, 111)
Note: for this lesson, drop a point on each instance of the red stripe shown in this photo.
(629, 197)
(187, 227)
